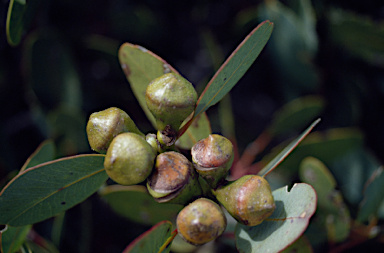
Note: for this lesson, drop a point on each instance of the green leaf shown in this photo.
(333, 215)
(284, 226)
(286, 151)
(136, 204)
(326, 146)
(234, 67)
(141, 66)
(45, 190)
(296, 114)
(152, 240)
(13, 238)
(200, 129)
(373, 196)
(45, 152)
(19, 17)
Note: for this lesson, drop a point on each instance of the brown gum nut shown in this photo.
(201, 221)
(212, 158)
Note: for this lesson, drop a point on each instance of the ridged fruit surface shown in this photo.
(173, 179)
(212, 158)
(249, 199)
(201, 221)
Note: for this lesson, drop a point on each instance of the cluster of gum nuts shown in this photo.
(200, 185)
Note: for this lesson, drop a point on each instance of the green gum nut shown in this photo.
(212, 158)
(201, 221)
(249, 199)
(173, 179)
(103, 126)
(171, 99)
(129, 159)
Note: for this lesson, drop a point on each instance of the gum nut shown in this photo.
(201, 221)
(171, 99)
(129, 159)
(249, 199)
(173, 179)
(103, 126)
(212, 158)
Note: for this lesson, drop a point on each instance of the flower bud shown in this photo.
(201, 221)
(249, 199)
(152, 140)
(129, 159)
(212, 158)
(103, 126)
(171, 99)
(173, 179)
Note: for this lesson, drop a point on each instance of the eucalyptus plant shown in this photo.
(199, 183)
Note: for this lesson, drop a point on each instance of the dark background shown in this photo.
(85, 35)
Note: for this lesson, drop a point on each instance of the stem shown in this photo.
(255, 148)
(168, 241)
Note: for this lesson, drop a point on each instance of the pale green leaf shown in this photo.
(288, 222)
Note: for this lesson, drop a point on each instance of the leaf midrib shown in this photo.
(60, 189)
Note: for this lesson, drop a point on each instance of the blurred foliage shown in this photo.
(62, 66)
